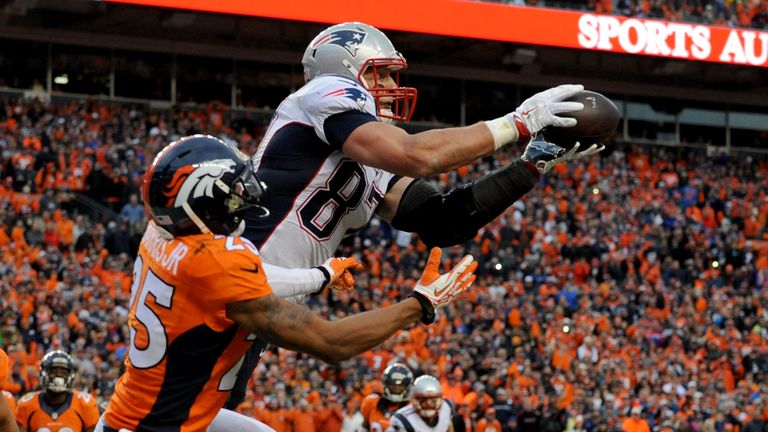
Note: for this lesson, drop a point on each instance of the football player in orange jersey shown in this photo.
(377, 409)
(57, 408)
(7, 421)
(210, 297)
(10, 401)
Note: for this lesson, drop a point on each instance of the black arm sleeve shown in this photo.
(339, 126)
(453, 218)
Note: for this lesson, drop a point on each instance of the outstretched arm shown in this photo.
(390, 148)
(446, 219)
(439, 150)
(333, 273)
(295, 327)
(287, 282)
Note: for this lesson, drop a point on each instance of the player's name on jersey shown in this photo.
(156, 245)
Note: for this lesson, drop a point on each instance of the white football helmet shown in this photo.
(349, 49)
(427, 396)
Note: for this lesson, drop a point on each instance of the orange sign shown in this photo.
(492, 21)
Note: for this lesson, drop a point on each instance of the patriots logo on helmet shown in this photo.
(355, 94)
(197, 180)
(350, 40)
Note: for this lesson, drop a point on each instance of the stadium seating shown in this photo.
(752, 14)
(634, 283)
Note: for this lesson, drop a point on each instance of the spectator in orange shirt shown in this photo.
(274, 416)
(302, 418)
(330, 417)
(488, 423)
(635, 422)
(478, 400)
(451, 387)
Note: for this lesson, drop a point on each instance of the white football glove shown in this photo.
(435, 290)
(536, 113)
(338, 275)
(545, 155)
(541, 109)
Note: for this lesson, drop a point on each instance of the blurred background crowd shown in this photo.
(626, 290)
(731, 13)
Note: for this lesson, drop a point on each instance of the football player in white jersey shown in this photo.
(333, 160)
(427, 412)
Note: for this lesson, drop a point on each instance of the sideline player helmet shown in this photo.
(427, 396)
(397, 380)
(57, 372)
(199, 184)
(350, 49)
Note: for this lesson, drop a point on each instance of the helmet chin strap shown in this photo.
(195, 218)
(198, 222)
(239, 230)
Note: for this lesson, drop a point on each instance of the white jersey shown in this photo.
(417, 423)
(315, 194)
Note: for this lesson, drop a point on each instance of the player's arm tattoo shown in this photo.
(286, 316)
(281, 322)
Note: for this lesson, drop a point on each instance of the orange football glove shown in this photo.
(434, 290)
(339, 271)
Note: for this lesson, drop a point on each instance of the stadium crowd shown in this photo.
(626, 292)
(731, 13)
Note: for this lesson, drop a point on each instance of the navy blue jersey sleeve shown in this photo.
(338, 127)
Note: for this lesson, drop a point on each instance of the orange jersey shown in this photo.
(4, 373)
(10, 400)
(184, 353)
(377, 411)
(4, 368)
(78, 413)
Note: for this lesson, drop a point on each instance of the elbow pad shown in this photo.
(454, 218)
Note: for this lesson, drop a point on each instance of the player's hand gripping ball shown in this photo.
(596, 123)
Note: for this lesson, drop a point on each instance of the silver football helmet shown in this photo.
(350, 49)
(427, 396)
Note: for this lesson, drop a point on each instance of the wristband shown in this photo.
(327, 276)
(427, 309)
(524, 135)
(506, 130)
(503, 131)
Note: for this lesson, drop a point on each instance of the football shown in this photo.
(597, 122)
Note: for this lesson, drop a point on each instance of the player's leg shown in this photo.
(250, 361)
(230, 421)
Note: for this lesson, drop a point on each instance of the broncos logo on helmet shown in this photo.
(195, 181)
(199, 184)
